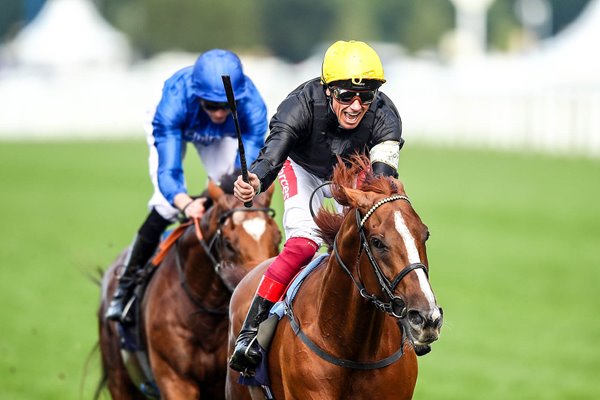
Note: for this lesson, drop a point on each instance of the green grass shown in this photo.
(515, 263)
(513, 254)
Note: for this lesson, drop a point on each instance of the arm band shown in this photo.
(380, 168)
(387, 152)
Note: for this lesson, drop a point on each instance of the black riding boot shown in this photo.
(246, 355)
(140, 253)
(143, 247)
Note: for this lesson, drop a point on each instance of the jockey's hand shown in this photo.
(246, 191)
(195, 208)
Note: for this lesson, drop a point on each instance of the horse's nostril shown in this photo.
(415, 317)
(439, 321)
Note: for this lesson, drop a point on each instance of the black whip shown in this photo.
(232, 107)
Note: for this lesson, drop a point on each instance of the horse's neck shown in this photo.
(340, 306)
(198, 271)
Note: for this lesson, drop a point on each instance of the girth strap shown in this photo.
(341, 361)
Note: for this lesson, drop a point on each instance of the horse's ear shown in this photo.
(214, 191)
(356, 198)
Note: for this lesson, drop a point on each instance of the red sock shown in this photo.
(270, 290)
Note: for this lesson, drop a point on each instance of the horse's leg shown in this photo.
(119, 384)
(233, 390)
(171, 385)
(168, 339)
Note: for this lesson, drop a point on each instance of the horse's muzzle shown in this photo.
(425, 327)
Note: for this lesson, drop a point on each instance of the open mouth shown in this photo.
(351, 117)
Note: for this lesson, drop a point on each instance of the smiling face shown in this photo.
(350, 114)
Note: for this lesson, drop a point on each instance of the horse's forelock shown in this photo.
(382, 184)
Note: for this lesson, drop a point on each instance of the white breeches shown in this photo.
(297, 185)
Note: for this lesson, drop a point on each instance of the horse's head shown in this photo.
(243, 237)
(392, 266)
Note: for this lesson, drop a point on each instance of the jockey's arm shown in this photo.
(384, 158)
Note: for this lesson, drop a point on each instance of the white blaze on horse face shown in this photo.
(413, 256)
(255, 227)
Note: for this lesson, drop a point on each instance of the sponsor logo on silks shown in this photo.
(288, 181)
(200, 138)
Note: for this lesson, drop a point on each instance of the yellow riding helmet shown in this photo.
(352, 61)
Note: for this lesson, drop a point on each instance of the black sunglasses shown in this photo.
(214, 105)
(346, 96)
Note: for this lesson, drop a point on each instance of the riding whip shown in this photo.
(232, 107)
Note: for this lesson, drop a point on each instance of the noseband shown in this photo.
(396, 306)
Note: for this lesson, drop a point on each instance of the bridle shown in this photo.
(396, 306)
(214, 251)
(216, 243)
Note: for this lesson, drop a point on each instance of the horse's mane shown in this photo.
(346, 174)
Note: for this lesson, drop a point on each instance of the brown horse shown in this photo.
(183, 313)
(359, 320)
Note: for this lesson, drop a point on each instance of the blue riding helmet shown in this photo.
(206, 77)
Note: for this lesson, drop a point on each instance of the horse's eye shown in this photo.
(228, 246)
(377, 243)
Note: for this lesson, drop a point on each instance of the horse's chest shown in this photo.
(378, 385)
(395, 382)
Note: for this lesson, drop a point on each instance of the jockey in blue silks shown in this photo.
(193, 108)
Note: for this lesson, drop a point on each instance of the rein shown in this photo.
(208, 250)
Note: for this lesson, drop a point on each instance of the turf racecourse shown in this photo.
(514, 257)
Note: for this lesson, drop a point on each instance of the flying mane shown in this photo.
(345, 176)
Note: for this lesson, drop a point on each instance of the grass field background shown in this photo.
(514, 256)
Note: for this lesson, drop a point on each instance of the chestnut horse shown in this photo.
(359, 320)
(183, 313)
